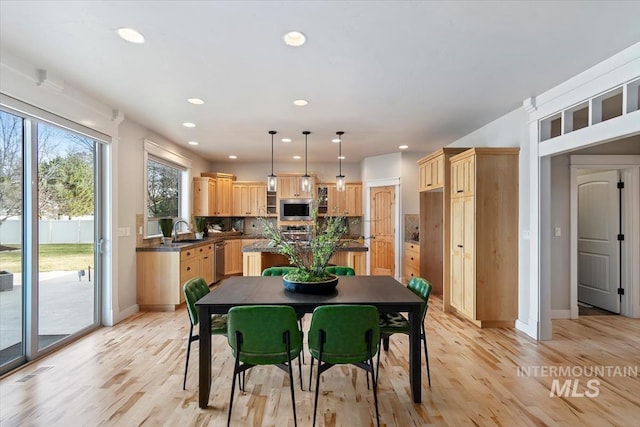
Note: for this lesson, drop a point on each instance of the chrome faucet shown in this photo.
(175, 229)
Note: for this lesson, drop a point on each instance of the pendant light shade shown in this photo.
(340, 179)
(306, 179)
(272, 181)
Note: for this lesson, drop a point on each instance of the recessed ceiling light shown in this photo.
(233, 157)
(294, 38)
(403, 147)
(296, 157)
(286, 139)
(193, 143)
(300, 102)
(130, 35)
(188, 125)
(196, 101)
(336, 140)
(341, 157)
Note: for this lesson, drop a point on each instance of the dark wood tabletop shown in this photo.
(384, 292)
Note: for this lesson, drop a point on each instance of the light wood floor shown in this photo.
(131, 374)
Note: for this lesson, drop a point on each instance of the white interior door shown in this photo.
(598, 247)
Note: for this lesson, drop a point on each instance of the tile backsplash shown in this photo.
(411, 227)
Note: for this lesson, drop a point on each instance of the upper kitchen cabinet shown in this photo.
(204, 196)
(223, 201)
(249, 198)
(290, 187)
(347, 203)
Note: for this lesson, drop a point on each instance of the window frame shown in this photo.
(157, 153)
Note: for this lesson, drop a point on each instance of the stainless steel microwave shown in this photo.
(296, 209)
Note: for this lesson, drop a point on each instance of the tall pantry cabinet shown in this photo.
(484, 236)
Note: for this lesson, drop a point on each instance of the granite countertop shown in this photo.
(265, 247)
(188, 243)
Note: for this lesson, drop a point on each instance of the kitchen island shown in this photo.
(261, 255)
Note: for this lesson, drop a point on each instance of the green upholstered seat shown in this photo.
(344, 334)
(277, 271)
(396, 323)
(264, 335)
(194, 289)
(340, 270)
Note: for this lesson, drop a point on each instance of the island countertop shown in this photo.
(263, 246)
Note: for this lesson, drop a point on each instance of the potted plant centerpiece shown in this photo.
(310, 256)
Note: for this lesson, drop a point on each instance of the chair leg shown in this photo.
(186, 366)
(293, 397)
(301, 351)
(315, 401)
(300, 371)
(385, 342)
(426, 353)
(375, 390)
(233, 385)
(311, 373)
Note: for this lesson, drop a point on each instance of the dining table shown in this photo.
(383, 292)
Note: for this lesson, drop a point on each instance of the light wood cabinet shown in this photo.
(204, 195)
(353, 259)
(484, 236)
(161, 274)
(411, 260)
(233, 256)
(290, 187)
(249, 199)
(431, 172)
(347, 203)
(435, 205)
(220, 193)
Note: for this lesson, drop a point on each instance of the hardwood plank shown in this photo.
(131, 374)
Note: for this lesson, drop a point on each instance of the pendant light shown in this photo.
(272, 181)
(340, 182)
(306, 179)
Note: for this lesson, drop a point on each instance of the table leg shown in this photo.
(415, 367)
(204, 367)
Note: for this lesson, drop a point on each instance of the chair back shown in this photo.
(277, 271)
(340, 270)
(345, 329)
(194, 289)
(422, 288)
(262, 331)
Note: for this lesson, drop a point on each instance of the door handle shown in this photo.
(459, 246)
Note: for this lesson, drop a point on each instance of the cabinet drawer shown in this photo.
(188, 254)
(204, 250)
(188, 269)
(410, 272)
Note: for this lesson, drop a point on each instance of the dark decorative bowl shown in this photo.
(317, 288)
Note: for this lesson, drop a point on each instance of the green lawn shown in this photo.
(55, 257)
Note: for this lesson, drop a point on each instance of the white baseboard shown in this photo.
(560, 314)
(121, 315)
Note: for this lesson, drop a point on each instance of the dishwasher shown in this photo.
(218, 261)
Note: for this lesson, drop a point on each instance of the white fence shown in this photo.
(50, 231)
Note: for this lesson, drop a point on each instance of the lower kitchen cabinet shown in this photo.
(411, 261)
(233, 256)
(161, 274)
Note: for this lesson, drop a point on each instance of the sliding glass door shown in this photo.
(50, 235)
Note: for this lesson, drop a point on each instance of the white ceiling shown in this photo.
(387, 73)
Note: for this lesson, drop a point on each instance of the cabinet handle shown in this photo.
(428, 185)
(459, 246)
(188, 268)
(460, 191)
(188, 253)
(411, 258)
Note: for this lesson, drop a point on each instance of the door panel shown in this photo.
(382, 247)
(598, 228)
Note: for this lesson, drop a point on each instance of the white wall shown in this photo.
(381, 167)
(511, 130)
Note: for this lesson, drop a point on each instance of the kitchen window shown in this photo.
(167, 178)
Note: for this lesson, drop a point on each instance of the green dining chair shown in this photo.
(340, 270)
(396, 323)
(281, 271)
(194, 289)
(344, 334)
(264, 335)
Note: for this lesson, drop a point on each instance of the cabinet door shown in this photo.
(201, 196)
(257, 200)
(288, 187)
(224, 194)
(212, 197)
(457, 256)
(463, 177)
(240, 196)
(336, 201)
(206, 263)
(468, 253)
(437, 172)
(358, 261)
(233, 256)
(353, 200)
